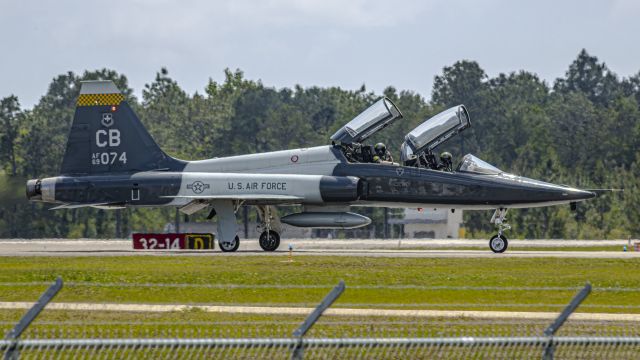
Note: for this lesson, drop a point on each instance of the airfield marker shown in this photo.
(290, 252)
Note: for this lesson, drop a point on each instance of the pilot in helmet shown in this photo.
(381, 153)
(446, 161)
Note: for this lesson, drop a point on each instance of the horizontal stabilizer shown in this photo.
(107, 206)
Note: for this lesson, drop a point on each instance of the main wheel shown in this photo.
(229, 246)
(498, 243)
(269, 242)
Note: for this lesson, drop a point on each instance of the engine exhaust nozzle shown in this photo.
(34, 189)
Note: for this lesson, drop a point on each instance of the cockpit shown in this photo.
(419, 144)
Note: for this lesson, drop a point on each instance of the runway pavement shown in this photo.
(429, 248)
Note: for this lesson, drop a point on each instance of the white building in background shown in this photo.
(430, 223)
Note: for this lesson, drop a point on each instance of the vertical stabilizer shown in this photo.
(106, 136)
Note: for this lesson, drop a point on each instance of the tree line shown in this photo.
(583, 130)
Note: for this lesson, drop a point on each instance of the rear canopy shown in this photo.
(376, 117)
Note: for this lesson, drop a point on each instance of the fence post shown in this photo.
(299, 333)
(564, 315)
(12, 353)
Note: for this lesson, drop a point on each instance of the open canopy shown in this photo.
(436, 130)
(374, 118)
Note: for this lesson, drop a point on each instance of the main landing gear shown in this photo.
(269, 241)
(499, 243)
(270, 226)
(229, 241)
(225, 210)
(229, 246)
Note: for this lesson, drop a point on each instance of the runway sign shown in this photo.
(194, 241)
(199, 241)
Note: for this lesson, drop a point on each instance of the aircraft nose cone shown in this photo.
(577, 194)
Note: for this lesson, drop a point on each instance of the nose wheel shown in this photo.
(269, 240)
(498, 243)
(229, 246)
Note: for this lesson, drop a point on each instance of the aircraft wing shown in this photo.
(245, 197)
(199, 202)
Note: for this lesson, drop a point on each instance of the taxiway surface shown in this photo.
(427, 248)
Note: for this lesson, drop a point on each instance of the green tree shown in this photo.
(10, 117)
(165, 112)
(590, 77)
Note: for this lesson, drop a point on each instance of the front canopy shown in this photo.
(437, 129)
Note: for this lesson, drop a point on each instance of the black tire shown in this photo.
(498, 244)
(229, 246)
(271, 242)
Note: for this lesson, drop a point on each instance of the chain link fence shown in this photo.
(565, 347)
(78, 337)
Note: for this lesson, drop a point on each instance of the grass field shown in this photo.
(508, 284)
(499, 284)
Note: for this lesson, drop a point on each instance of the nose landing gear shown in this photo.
(498, 243)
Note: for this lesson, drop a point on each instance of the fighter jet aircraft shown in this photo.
(111, 161)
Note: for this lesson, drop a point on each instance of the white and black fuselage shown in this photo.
(111, 161)
(311, 176)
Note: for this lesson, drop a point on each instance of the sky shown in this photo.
(345, 43)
